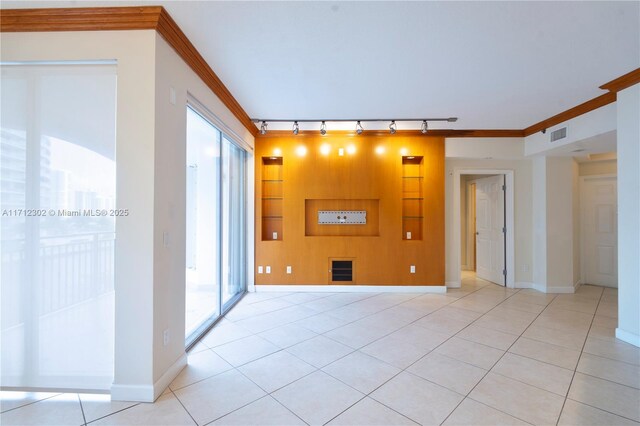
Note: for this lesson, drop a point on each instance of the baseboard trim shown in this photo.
(356, 288)
(172, 372)
(137, 393)
(149, 393)
(453, 284)
(625, 336)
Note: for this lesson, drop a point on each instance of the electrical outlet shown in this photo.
(408, 235)
(260, 269)
(288, 269)
(166, 337)
(275, 235)
(412, 269)
(172, 96)
(165, 239)
(525, 268)
(268, 269)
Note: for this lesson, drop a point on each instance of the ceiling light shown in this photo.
(277, 152)
(301, 151)
(351, 149)
(325, 148)
(380, 150)
(392, 127)
(296, 128)
(359, 128)
(323, 128)
(425, 127)
(263, 128)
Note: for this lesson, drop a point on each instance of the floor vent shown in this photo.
(341, 270)
(558, 134)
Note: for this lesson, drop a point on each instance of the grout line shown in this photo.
(29, 403)
(115, 412)
(600, 409)
(584, 343)
(183, 407)
(84, 418)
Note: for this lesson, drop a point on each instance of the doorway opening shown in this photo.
(483, 217)
(482, 226)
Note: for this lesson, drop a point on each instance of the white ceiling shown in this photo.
(495, 65)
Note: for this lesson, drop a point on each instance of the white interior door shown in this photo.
(600, 231)
(490, 229)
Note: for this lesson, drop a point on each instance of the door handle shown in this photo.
(477, 233)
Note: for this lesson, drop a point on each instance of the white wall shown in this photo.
(150, 155)
(629, 215)
(170, 196)
(556, 224)
(589, 125)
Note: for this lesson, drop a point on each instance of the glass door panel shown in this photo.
(203, 225)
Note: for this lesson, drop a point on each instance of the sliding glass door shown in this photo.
(233, 222)
(215, 211)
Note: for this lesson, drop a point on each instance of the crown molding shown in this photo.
(622, 82)
(125, 18)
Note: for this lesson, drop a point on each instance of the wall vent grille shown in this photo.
(558, 134)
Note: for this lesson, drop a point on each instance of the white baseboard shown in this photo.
(453, 284)
(523, 284)
(356, 288)
(148, 393)
(138, 393)
(630, 338)
(577, 285)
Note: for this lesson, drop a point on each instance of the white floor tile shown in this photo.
(219, 395)
(368, 412)
(317, 398)
(63, 409)
(265, 411)
(276, 370)
(245, 350)
(360, 371)
(319, 351)
(421, 401)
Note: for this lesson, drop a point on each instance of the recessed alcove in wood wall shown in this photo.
(368, 176)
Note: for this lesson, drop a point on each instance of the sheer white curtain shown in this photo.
(57, 189)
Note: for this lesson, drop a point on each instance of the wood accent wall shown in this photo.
(383, 259)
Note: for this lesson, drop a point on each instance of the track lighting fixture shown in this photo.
(393, 128)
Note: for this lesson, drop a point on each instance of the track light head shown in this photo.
(359, 128)
(425, 127)
(296, 128)
(392, 127)
(323, 128)
(263, 128)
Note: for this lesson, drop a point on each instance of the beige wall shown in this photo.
(590, 168)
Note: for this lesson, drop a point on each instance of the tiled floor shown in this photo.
(479, 355)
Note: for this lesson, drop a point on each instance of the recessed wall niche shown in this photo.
(272, 199)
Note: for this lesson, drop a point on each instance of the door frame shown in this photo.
(509, 222)
(581, 191)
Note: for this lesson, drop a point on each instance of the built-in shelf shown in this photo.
(272, 198)
(412, 198)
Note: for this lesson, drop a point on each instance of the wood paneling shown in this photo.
(125, 18)
(366, 175)
(574, 112)
(622, 82)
